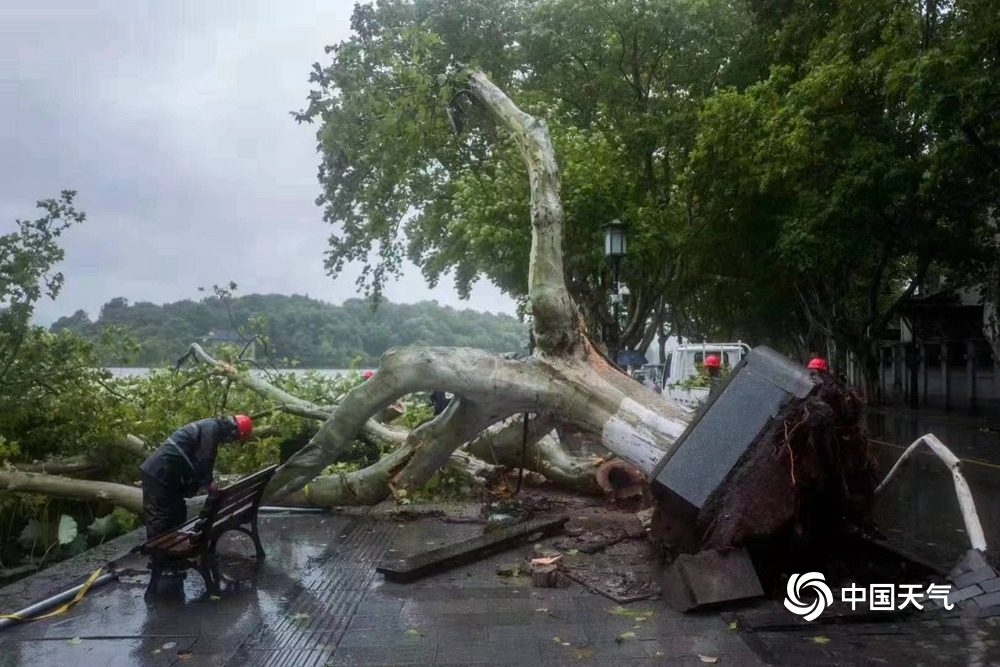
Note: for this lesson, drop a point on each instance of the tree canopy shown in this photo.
(788, 171)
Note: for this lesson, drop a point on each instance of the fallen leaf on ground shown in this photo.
(732, 626)
(542, 610)
(300, 617)
(631, 613)
(413, 632)
(74, 641)
(557, 640)
(711, 659)
(620, 639)
(169, 645)
(821, 640)
(213, 598)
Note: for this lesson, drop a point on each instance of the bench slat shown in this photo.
(235, 505)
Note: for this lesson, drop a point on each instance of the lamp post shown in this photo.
(615, 247)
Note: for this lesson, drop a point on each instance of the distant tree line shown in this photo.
(293, 329)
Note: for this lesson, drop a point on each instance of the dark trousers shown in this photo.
(163, 506)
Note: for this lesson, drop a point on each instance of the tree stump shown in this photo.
(547, 573)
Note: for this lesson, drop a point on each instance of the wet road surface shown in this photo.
(317, 600)
(919, 511)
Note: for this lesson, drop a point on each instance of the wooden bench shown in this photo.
(192, 544)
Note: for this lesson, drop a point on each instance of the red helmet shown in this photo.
(818, 364)
(368, 375)
(713, 361)
(244, 426)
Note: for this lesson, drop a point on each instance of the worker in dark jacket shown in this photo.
(181, 466)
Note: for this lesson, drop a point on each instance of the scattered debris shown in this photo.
(515, 570)
(421, 564)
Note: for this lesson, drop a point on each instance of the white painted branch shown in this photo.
(122, 495)
(970, 516)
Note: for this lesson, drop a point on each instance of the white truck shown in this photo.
(677, 374)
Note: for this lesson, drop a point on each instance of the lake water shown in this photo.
(125, 371)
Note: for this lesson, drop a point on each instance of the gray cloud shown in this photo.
(171, 120)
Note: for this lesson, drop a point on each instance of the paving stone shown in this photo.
(988, 599)
(964, 594)
(472, 653)
(378, 655)
(974, 577)
(990, 585)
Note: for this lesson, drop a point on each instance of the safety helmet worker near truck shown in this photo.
(713, 364)
(817, 366)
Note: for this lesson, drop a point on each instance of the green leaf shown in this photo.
(67, 529)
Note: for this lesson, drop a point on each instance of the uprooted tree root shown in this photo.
(802, 481)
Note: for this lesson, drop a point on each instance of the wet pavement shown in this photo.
(317, 600)
(920, 512)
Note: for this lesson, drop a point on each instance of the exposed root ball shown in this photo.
(809, 474)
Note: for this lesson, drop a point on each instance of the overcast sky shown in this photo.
(171, 120)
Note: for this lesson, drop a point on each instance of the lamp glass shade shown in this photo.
(615, 239)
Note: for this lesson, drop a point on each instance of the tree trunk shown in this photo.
(568, 377)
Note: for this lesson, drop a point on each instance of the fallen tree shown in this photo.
(568, 376)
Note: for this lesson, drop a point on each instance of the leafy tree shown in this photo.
(27, 257)
(619, 83)
(847, 172)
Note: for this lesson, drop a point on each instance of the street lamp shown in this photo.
(615, 247)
